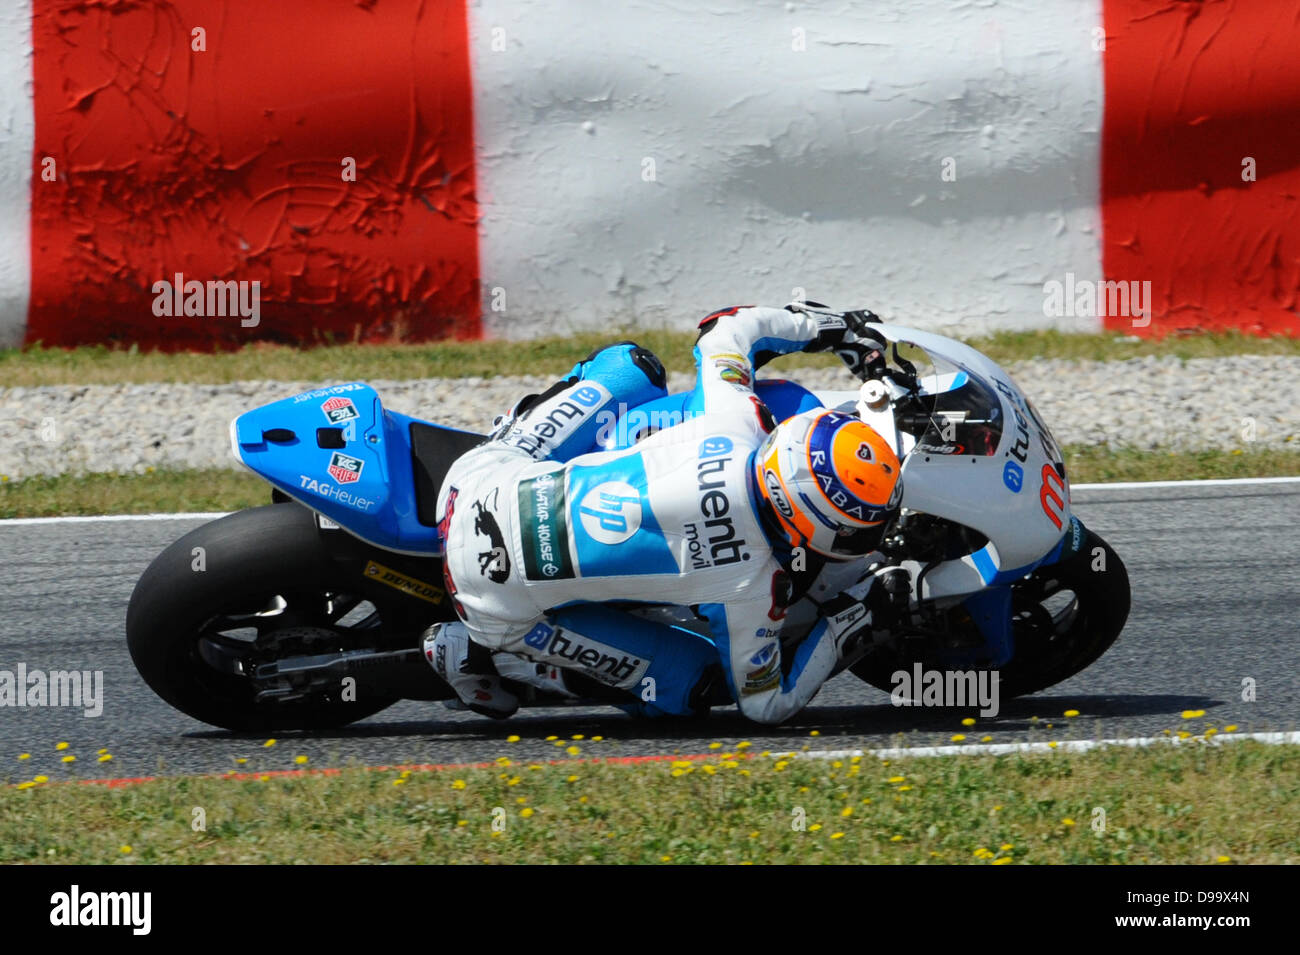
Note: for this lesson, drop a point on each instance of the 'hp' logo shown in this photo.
(611, 512)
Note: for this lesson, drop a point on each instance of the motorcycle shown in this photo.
(307, 613)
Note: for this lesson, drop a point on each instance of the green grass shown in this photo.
(1188, 804)
(100, 365)
(229, 490)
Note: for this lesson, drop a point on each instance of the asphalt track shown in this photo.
(1215, 581)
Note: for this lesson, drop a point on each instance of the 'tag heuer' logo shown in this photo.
(344, 468)
(339, 410)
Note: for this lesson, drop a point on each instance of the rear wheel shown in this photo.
(1064, 617)
(245, 590)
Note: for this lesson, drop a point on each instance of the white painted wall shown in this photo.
(17, 132)
(778, 168)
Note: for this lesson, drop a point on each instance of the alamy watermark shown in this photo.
(40, 688)
(1084, 298)
(955, 688)
(180, 298)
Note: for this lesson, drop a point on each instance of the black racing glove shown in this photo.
(850, 336)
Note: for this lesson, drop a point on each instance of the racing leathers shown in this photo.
(545, 538)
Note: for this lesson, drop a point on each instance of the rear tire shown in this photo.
(254, 561)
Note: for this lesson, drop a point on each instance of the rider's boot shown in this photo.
(467, 667)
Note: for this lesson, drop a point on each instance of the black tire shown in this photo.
(252, 558)
(1065, 617)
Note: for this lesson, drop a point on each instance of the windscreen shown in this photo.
(956, 412)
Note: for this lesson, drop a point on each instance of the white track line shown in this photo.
(196, 516)
(1203, 482)
(1066, 746)
(213, 515)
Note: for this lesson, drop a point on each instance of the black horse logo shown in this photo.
(493, 563)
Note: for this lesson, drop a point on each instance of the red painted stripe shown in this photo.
(123, 781)
(228, 164)
(1192, 89)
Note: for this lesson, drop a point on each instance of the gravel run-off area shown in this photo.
(1245, 401)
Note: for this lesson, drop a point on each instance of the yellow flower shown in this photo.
(744, 745)
(1052, 745)
(1183, 734)
(780, 765)
(503, 760)
(125, 850)
(1192, 714)
(40, 779)
(968, 721)
(573, 750)
(525, 813)
(903, 789)
(512, 781)
(1211, 732)
(1071, 713)
(571, 779)
(58, 746)
(512, 739)
(107, 757)
(680, 763)
(597, 739)
(958, 737)
(458, 784)
(815, 733)
(24, 755)
(577, 736)
(25, 785)
(100, 752)
(1067, 821)
(398, 781)
(1002, 861)
(300, 760)
(866, 802)
(754, 834)
(1006, 847)
(551, 738)
(1223, 859)
(986, 739)
(715, 746)
(665, 858)
(69, 759)
(241, 760)
(982, 853)
(1230, 728)
(269, 742)
(837, 835)
(895, 838)
(814, 827)
(896, 779)
(803, 789)
(709, 769)
(462, 822)
(846, 811)
(582, 799)
(997, 808)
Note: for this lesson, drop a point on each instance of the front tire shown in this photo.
(1064, 617)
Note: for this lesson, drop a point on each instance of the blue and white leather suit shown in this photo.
(544, 537)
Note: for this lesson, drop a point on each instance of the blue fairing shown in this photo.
(367, 486)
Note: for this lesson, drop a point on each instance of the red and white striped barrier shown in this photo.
(202, 173)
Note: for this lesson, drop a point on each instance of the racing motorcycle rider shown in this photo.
(718, 513)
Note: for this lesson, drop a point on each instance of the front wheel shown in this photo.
(1064, 617)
